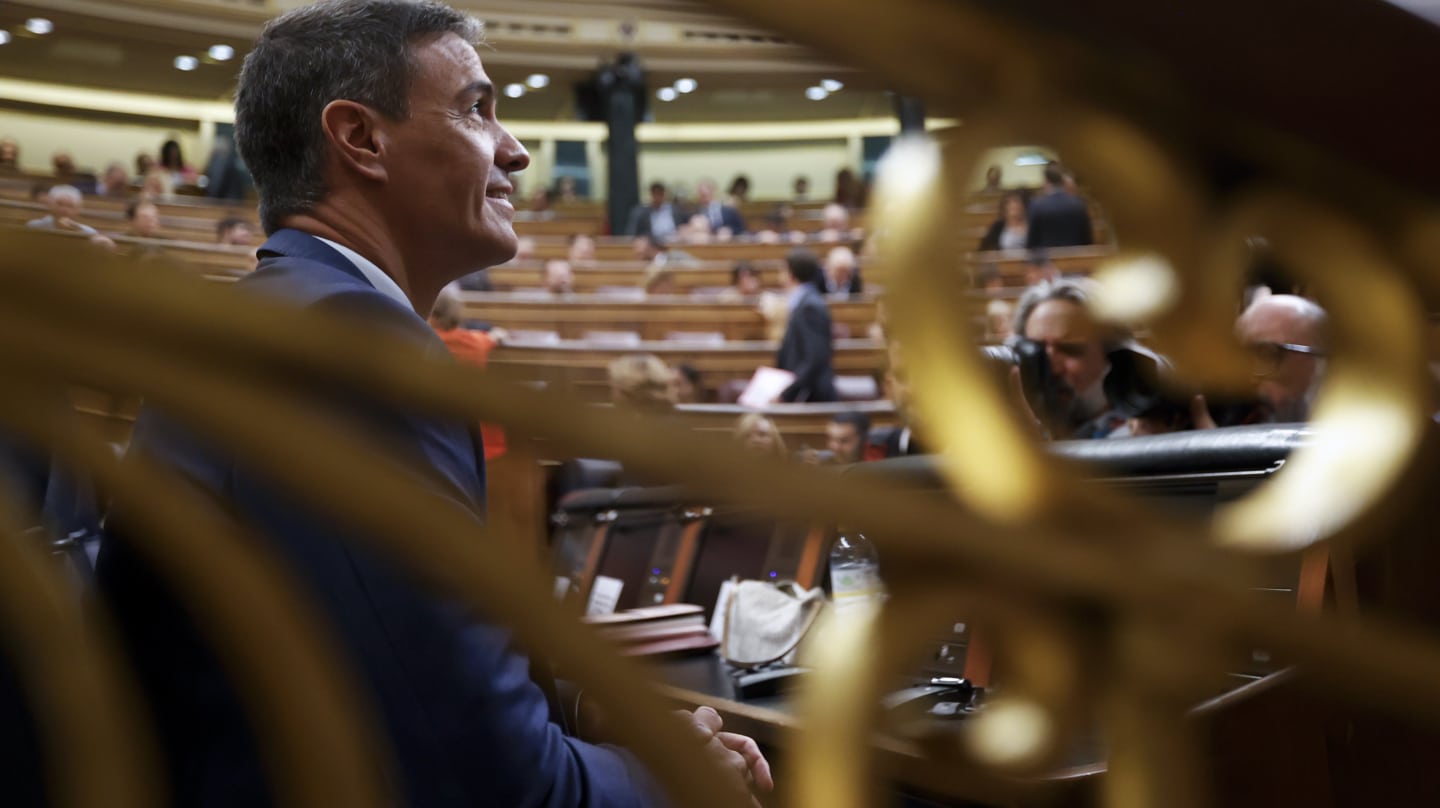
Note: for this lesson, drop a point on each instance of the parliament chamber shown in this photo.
(964, 404)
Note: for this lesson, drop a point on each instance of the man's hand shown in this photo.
(735, 753)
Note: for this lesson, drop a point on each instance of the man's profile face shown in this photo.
(1072, 343)
(843, 441)
(448, 163)
(1285, 379)
(705, 192)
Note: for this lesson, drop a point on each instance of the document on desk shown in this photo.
(766, 386)
(604, 595)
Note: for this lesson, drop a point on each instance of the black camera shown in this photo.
(1139, 384)
(1042, 388)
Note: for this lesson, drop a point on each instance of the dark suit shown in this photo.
(641, 223)
(1059, 219)
(455, 702)
(722, 215)
(806, 350)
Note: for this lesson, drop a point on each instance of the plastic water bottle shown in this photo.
(854, 572)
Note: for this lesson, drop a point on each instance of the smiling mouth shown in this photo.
(498, 194)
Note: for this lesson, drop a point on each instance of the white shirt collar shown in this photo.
(384, 284)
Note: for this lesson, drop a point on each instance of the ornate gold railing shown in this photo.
(1090, 598)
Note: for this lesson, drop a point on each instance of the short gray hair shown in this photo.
(68, 191)
(355, 50)
(1073, 290)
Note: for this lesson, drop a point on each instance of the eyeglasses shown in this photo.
(1266, 356)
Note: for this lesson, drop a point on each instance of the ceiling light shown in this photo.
(666, 94)
(686, 85)
(514, 90)
(222, 53)
(816, 93)
(831, 85)
(39, 26)
(4, 37)
(538, 81)
(186, 63)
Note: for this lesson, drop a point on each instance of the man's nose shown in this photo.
(511, 154)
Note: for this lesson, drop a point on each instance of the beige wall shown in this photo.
(1014, 176)
(771, 166)
(93, 144)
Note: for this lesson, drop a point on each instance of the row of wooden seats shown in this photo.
(715, 274)
(654, 319)
(110, 222)
(799, 424)
(580, 367)
(199, 213)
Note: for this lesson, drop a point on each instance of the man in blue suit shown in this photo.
(383, 174)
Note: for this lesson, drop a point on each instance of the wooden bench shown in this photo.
(800, 424)
(572, 316)
(631, 274)
(622, 248)
(581, 368)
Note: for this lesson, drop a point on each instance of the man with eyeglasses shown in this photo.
(1286, 336)
(1056, 315)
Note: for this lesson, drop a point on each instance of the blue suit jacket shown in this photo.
(466, 725)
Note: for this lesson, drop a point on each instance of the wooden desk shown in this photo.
(581, 367)
(622, 248)
(704, 681)
(572, 316)
(631, 274)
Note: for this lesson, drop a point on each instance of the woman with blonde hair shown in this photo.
(759, 434)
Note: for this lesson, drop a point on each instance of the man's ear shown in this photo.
(351, 129)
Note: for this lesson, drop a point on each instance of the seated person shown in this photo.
(64, 202)
(144, 218)
(234, 231)
(642, 383)
(999, 321)
(1009, 230)
(9, 156)
(557, 277)
(745, 283)
(582, 251)
(847, 437)
(657, 220)
(759, 434)
(688, 387)
(660, 281)
(63, 166)
(841, 275)
(1286, 335)
(1056, 315)
(470, 347)
(719, 216)
(115, 182)
(836, 223)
